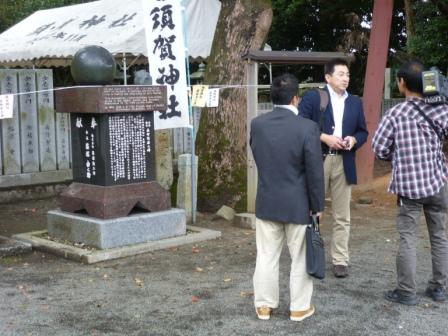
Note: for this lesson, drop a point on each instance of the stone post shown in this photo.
(164, 159)
(183, 199)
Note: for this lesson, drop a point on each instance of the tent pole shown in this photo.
(135, 60)
(125, 70)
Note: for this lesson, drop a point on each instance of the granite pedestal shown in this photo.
(116, 232)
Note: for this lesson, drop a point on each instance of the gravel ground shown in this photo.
(206, 289)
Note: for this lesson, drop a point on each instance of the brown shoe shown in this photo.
(340, 271)
(264, 313)
(300, 315)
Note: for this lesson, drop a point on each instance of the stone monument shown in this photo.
(114, 199)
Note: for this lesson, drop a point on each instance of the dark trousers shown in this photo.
(408, 220)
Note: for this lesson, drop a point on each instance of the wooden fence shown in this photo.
(35, 143)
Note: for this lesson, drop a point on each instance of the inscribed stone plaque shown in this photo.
(188, 140)
(164, 158)
(178, 141)
(46, 114)
(113, 149)
(28, 121)
(111, 99)
(133, 98)
(63, 140)
(10, 127)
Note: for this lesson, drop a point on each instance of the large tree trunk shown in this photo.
(410, 18)
(221, 141)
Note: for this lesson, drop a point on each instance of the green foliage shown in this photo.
(12, 12)
(318, 25)
(430, 42)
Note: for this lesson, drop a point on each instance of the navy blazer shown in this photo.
(286, 150)
(353, 124)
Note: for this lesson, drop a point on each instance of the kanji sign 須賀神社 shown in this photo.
(166, 54)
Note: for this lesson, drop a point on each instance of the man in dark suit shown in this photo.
(287, 153)
(343, 132)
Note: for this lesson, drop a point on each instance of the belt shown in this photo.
(332, 152)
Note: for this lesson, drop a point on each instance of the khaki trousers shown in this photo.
(341, 192)
(270, 238)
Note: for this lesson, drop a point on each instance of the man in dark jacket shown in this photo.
(287, 153)
(343, 132)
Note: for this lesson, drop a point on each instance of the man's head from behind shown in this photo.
(284, 90)
(409, 78)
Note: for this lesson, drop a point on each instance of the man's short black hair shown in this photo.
(411, 72)
(284, 88)
(329, 67)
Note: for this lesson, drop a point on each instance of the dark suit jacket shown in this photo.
(287, 152)
(353, 124)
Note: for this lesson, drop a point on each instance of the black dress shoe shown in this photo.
(438, 294)
(398, 296)
(340, 271)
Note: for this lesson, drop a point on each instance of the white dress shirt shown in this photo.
(338, 104)
(292, 108)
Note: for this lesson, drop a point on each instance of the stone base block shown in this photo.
(89, 256)
(244, 220)
(110, 233)
(11, 247)
(107, 202)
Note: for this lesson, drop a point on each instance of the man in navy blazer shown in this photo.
(343, 132)
(287, 153)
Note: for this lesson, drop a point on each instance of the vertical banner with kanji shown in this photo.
(165, 43)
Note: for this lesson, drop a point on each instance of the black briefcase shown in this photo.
(315, 251)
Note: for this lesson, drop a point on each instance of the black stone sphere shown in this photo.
(93, 65)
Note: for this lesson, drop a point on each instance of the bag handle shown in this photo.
(315, 223)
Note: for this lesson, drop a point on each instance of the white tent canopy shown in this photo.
(51, 37)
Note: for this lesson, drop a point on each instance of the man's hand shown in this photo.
(350, 142)
(317, 214)
(332, 141)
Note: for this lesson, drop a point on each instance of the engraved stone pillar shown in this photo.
(10, 128)
(164, 159)
(113, 150)
(184, 198)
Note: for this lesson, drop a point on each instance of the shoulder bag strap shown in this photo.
(429, 121)
(324, 99)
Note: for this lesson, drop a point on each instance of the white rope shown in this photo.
(211, 86)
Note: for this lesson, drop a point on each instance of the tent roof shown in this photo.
(51, 37)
